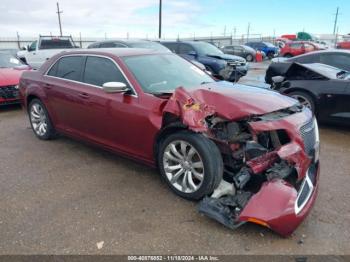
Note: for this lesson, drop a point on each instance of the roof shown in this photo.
(120, 52)
(122, 40)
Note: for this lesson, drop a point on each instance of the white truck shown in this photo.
(44, 48)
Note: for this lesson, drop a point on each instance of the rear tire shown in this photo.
(190, 164)
(249, 58)
(40, 120)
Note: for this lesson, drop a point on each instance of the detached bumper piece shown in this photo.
(226, 209)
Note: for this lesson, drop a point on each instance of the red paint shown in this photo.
(129, 125)
(343, 45)
(10, 77)
(295, 48)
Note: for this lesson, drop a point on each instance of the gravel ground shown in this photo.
(66, 197)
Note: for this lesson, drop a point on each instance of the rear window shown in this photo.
(69, 67)
(56, 44)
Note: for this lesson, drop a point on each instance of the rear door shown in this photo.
(64, 92)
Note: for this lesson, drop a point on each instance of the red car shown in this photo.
(11, 69)
(295, 48)
(250, 154)
(343, 45)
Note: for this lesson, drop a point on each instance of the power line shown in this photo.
(59, 12)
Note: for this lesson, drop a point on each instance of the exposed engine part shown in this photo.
(231, 132)
(225, 209)
(224, 188)
(279, 170)
(253, 150)
(242, 178)
(263, 162)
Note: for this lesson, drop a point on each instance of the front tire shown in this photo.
(190, 164)
(304, 99)
(40, 120)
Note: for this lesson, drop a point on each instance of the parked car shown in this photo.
(224, 66)
(269, 49)
(255, 149)
(336, 58)
(295, 48)
(45, 47)
(240, 50)
(11, 69)
(322, 88)
(131, 43)
(343, 45)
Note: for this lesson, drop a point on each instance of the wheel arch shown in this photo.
(308, 92)
(170, 124)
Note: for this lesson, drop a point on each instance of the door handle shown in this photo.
(84, 95)
(48, 86)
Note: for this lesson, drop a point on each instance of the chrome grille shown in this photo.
(308, 133)
(8, 92)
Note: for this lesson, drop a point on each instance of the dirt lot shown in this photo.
(63, 197)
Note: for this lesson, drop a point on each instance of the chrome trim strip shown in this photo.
(100, 87)
(311, 187)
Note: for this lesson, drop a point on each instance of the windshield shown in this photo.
(164, 73)
(9, 61)
(207, 49)
(149, 45)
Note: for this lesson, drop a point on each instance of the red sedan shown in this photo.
(295, 48)
(11, 69)
(250, 154)
(343, 45)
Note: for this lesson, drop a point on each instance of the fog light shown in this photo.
(257, 221)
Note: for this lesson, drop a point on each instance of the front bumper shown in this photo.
(275, 205)
(9, 95)
(280, 204)
(233, 73)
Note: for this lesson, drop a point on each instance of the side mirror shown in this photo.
(115, 87)
(277, 79)
(24, 48)
(192, 53)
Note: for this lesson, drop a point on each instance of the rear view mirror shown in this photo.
(277, 79)
(115, 87)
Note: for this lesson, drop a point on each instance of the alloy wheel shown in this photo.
(303, 100)
(183, 166)
(38, 119)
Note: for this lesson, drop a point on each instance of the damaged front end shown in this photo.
(270, 164)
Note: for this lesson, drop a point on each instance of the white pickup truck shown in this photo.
(44, 48)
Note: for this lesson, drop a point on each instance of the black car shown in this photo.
(322, 88)
(336, 58)
(130, 43)
(223, 66)
(240, 50)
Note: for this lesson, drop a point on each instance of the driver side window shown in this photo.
(184, 49)
(32, 46)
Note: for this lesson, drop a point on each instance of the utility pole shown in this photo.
(225, 30)
(336, 21)
(160, 20)
(234, 32)
(59, 12)
(248, 31)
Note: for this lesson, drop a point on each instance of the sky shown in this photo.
(184, 18)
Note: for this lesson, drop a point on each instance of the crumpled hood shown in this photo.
(10, 76)
(227, 57)
(227, 100)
